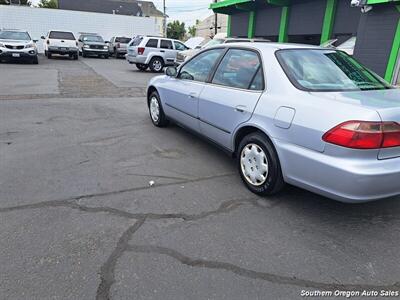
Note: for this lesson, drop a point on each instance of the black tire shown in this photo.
(76, 56)
(105, 56)
(142, 67)
(49, 55)
(162, 120)
(154, 64)
(35, 60)
(274, 181)
(45, 52)
(80, 53)
(115, 53)
(84, 54)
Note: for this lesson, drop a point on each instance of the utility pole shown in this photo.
(216, 21)
(165, 20)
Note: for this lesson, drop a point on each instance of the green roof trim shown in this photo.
(372, 2)
(226, 3)
(283, 27)
(252, 25)
(394, 53)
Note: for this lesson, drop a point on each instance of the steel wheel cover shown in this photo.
(254, 164)
(154, 109)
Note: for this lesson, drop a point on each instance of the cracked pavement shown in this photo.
(79, 220)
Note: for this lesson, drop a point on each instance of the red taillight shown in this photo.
(140, 50)
(364, 135)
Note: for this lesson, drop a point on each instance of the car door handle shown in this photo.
(241, 108)
(162, 51)
(193, 95)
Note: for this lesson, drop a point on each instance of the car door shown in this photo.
(181, 94)
(231, 95)
(167, 48)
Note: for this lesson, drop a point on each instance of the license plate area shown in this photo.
(16, 55)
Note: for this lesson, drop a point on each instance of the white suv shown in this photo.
(60, 42)
(153, 52)
(15, 44)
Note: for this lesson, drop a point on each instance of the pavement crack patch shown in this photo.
(107, 270)
(272, 278)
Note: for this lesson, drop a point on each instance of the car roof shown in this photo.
(270, 46)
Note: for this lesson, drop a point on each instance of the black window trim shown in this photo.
(166, 40)
(264, 87)
(302, 88)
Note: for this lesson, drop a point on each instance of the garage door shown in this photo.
(239, 24)
(267, 23)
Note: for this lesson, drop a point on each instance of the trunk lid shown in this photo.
(385, 102)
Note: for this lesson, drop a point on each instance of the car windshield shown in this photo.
(93, 38)
(327, 70)
(122, 40)
(14, 35)
(213, 43)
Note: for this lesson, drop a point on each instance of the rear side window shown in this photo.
(165, 44)
(152, 43)
(60, 35)
(240, 69)
(199, 68)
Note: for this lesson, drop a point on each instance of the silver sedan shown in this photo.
(303, 115)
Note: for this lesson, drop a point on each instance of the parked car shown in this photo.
(153, 52)
(17, 45)
(118, 46)
(61, 43)
(92, 45)
(304, 115)
(182, 56)
(347, 46)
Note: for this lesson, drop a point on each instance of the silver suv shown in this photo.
(153, 52)
(17, 45)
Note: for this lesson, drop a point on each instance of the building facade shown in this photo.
(117, 7)
(377, 28)
(206, 28)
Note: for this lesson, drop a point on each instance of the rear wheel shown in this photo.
(142, 67)
(48, 55)
(76, 56)
(35, 60)
(84, 54)
(156, 111)
(259, 165)
(105, 56)
(156, 64)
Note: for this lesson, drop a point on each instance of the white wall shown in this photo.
(38, 21)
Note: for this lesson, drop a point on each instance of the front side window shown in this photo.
(14, 35)
(199, 68)
(165, 44)
(239, 69)
(179, 46)
(60, 35)
(152, 43)
(327, 70)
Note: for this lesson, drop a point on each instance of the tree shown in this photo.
(192, 30)
(176, 30)
(48, 4)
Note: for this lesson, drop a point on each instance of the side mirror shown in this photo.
(171, 71)
(107, 42)
(80, 40)
(35, 41)
(42, 37)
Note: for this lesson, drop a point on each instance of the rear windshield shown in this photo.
(136, 41)
(60, 35)
(122, 40)
(327, 70)
(14, 35)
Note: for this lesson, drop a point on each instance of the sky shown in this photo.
(183, 10)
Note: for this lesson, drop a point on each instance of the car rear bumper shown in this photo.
(344, 179)
(136, 59)
(96, 52)
(61, 51)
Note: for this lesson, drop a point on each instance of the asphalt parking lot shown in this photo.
(79, 219)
